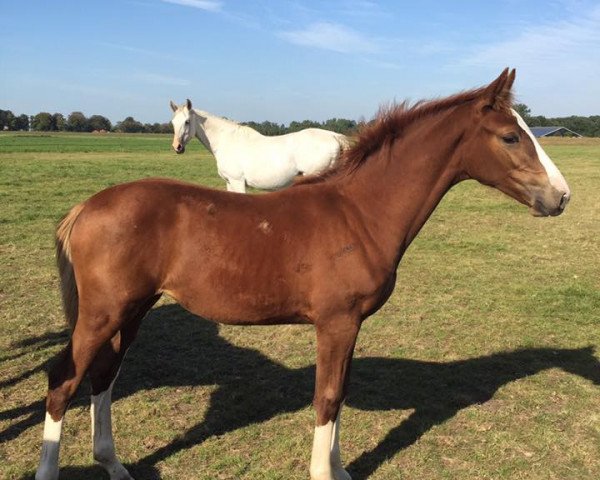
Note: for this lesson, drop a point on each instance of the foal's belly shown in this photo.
(231, 311)
(251, 289)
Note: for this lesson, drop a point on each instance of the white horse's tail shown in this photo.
(344, 142)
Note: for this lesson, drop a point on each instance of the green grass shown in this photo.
(49, 142)
(482, 365)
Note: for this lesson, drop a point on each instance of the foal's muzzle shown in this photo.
(551, 204)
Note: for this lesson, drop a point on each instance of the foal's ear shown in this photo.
(498, 94)
(188, 104)
(173, 106)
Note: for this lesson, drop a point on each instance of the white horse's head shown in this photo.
(184, 126)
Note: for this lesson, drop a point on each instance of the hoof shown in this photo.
(45, 473)
(340, 474)
(125, 476)
(118, 472)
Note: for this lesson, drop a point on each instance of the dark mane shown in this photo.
(388, 125)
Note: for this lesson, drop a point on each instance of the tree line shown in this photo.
(78, 122)
(339, 125)
(586, 126)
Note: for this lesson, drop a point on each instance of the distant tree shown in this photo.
(129, 125)
(21, 122)
(158, 127)
(166, 127)
(538, 121)
(267, 128)
(587, 126)
(340, 125)
(43, 122)
(253, 125)
(152, 127)
(60, 124)
(99, 122)
(594, 130)
(297, 126)
(7, 119)
(272, 128)
(77, 122)
(522, 110)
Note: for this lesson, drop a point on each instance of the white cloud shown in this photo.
(332, 36)
(158, 79)
(558, 64)
(142, 51)
(541, 44)
(360, 8)
(209, 5)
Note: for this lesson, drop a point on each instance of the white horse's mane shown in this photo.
(232, 123)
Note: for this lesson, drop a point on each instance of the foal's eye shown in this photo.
(187, 122)
(511, 139)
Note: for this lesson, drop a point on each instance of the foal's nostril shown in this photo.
(563, 201)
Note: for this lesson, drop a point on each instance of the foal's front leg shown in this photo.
(335, 345)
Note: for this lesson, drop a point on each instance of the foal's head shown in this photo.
(184, 128)
(501, 151)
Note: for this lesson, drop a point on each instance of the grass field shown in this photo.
(482, 365)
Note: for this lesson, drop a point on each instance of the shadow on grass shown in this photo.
(175, 348)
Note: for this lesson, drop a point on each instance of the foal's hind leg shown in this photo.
(63, 380)
(103, 374)
(95, 327)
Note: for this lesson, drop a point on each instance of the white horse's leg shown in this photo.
(339, 473)
(104, 446)
(238, 186)
(48, 467)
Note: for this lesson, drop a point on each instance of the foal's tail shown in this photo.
(68, 286)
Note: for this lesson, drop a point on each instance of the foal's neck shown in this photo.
(399, 187)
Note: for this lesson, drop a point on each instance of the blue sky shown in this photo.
(291, 60)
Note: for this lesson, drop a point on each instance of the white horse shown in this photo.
(246, 157)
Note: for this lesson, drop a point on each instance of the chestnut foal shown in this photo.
(323, 252)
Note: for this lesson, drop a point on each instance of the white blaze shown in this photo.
(556, 178)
